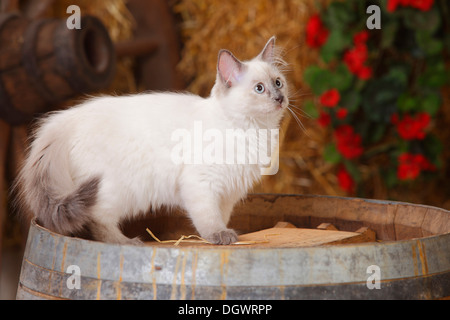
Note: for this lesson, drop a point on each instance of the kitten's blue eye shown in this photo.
(278, 83)
(259, 88)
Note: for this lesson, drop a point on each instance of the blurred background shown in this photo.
(129, 46)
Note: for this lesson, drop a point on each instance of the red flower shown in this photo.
(411, 128)
(324, 119)
(361, 37)
(410, 166)
(364, 73)
(348, 142)
(341, 113)
(316, 33)
(345, 180)
(330, 98)
(355, 59)
(393, 4)
(423, 5)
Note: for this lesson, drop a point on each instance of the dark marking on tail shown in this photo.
(72, 213)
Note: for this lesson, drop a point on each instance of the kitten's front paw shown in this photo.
(225, 237)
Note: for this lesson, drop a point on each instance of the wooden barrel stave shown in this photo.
(410, 268)
(183, 279)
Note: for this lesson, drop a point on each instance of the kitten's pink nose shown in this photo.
(279, 99)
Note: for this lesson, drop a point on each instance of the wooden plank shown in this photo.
(298, 237)
(284, 224)
(327, 226)
(288, 238)
(367, 234)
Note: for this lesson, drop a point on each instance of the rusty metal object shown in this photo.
(43, 63)
(414, 260)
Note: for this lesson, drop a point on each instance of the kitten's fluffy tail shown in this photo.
(45, 189)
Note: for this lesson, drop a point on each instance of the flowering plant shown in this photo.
(378, 91)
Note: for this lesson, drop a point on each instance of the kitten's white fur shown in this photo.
(110, 157)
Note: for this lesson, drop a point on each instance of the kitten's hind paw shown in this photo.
(135, 242)
(223, 237)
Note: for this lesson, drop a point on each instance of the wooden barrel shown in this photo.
(412, 261)
(43, 63)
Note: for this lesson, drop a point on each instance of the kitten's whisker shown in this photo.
(287, 51)
(296, 118)
(299, 99)
(295, 100)
(302, 112)
(300, 93)
(299, 122)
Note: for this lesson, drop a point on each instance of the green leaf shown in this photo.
(339, 15)
(351, 100)
(390, 177)
(341, 79)
(407, 103)
(422, 20)
(380, 96)
(389, 31)
(314, 77)
(321, 80)
(311, 109)
(398, 74)
(331, 154)
(447, 41)
(378, 132)
(353, 170)
(336, 43)
(431, 103)
(435, 75)
(433, 146)
(428, 44)
(403, 146)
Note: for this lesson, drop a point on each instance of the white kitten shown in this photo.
(112, 157)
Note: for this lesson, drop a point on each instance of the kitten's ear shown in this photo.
(229, 68)
(268, 53)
